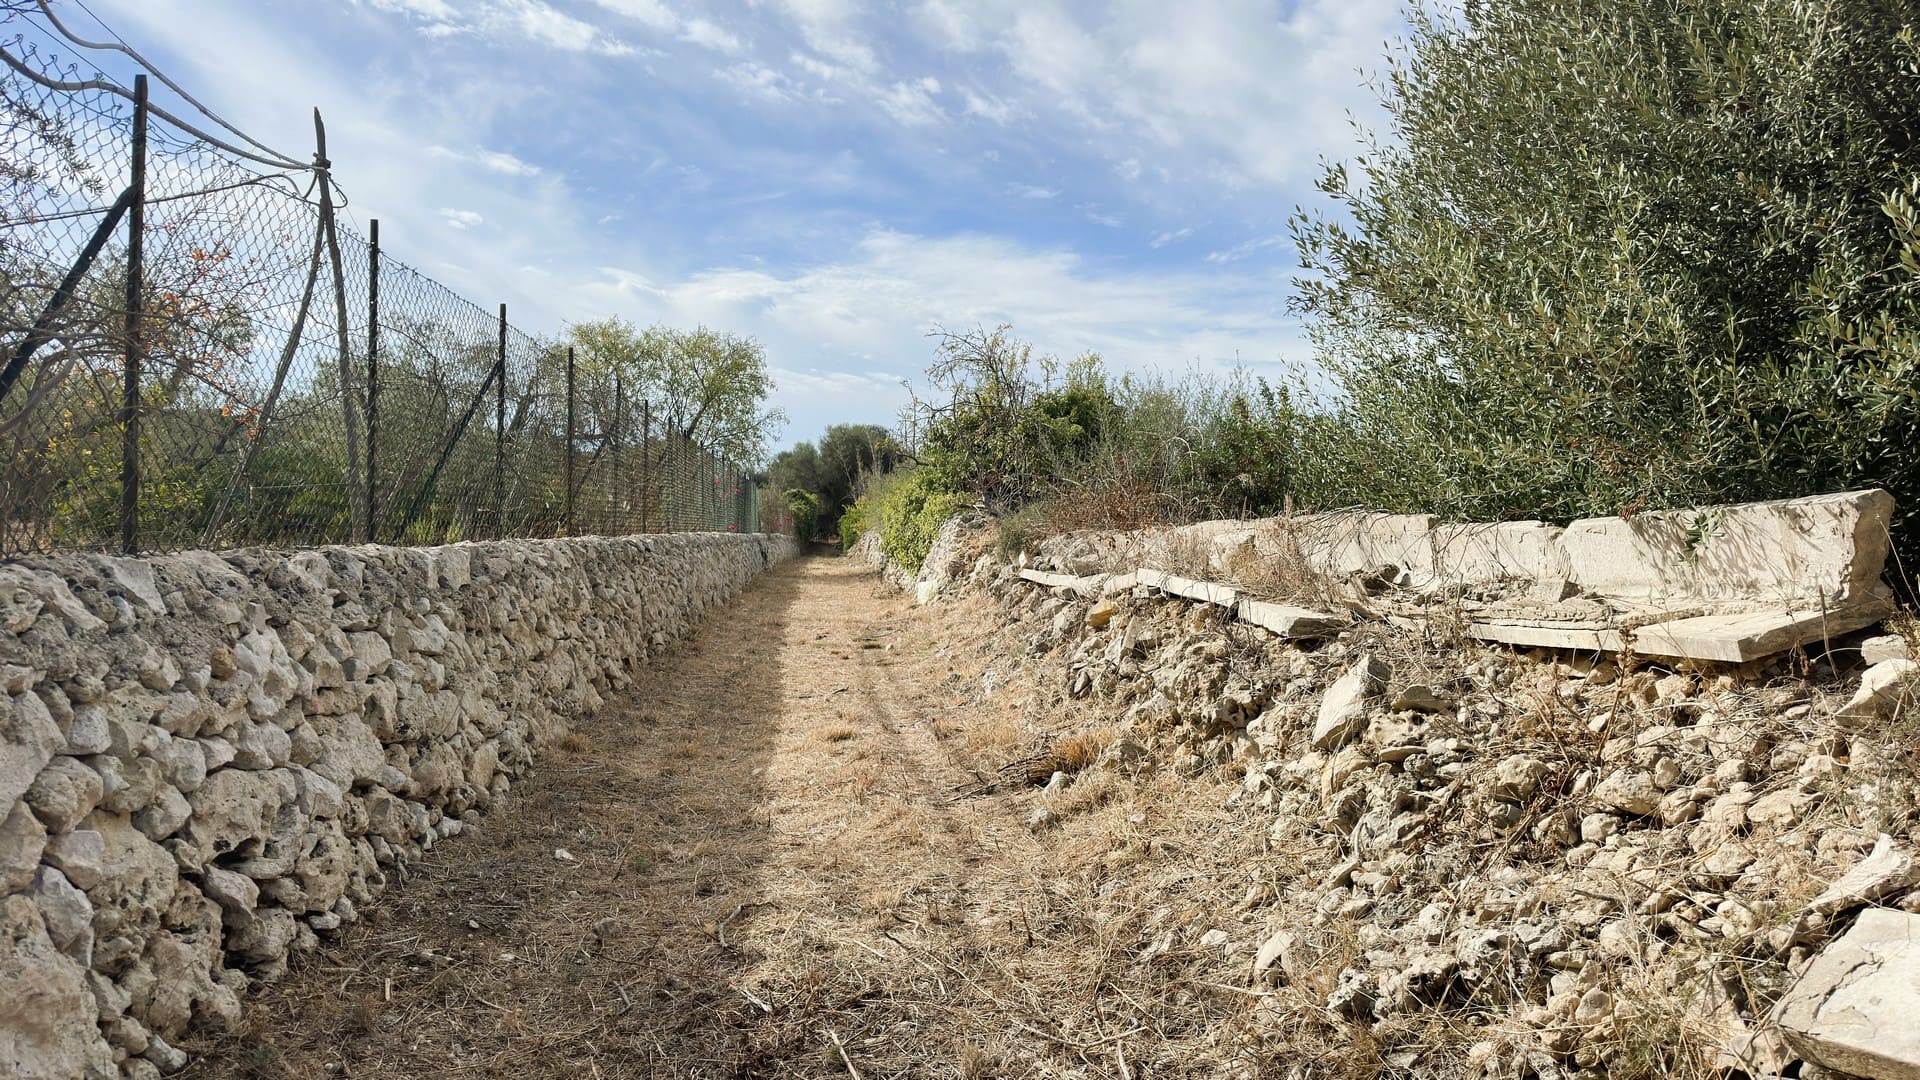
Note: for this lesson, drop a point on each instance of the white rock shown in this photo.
(64, 793)
(1270, 962)
(87, 732)
(1852, 1011)
(1518, 776)
(48, 1018)
(1885, 647)
(1595, 828)
(80, 854)
(28, 740)
(22, 840)
(1631, 791)
(164, 815)
(164, 1056)
(1595, 1005)
(233, 808)
(237, 894)
(215, 753)
(184, 762)
(261, 746)
(1886, 870)
(68, 913)
(1884, 689)
(1343, 709)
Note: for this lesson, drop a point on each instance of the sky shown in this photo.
(835, 178)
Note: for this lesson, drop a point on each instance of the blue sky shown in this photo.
(832, 177)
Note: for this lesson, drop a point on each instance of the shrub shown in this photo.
(911, 514)
(906, 508)
(805, 507)
(1624, 255)
(853, 522)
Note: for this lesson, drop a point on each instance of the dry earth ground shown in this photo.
(770, 870)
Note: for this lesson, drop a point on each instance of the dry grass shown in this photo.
(776, 878)
(753, 898)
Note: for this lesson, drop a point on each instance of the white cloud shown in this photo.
(649, 12)
(710, 35)
(873, 307)
(461, 219)
(436, 10)
(659, 17)
(507, 164)
(492, 160)
(1166, 238)
(1246, 249)
(538, 21)
(949, 26)
(1241, 92)
(758, 80)
(986, 106)
(912, 103)
(1031, 191)
(830, 28)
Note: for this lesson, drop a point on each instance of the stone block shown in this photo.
(1747, 636)
(1853, 1009)
(1205, 592)
(1289, 621)
(1476, 553)
(1825, 552)
(1337, 545)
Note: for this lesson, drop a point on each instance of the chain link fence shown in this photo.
(199, 353)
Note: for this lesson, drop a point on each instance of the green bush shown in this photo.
(906, 508)
(805, 507)
(853, 522)
(911, 514)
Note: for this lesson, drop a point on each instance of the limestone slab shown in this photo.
(1853, 1009)
(1289, 621)
(1336, 545)
(1206, 592)
(1545, 634)
(1476, 553)
(1825, 551)
(1051, 580)
(1750, 636)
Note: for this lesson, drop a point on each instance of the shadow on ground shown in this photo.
(499, 957)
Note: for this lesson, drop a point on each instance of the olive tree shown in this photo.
(1612, 254)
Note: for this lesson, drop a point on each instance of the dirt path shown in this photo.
(763, 843)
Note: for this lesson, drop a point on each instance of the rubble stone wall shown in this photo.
(207, 759)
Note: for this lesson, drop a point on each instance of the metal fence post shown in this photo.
(373, 372)
(566, 514)
(616, 514)
(500, 430)
(136, 300)
(646, 474)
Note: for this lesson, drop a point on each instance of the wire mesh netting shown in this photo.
(293, 385)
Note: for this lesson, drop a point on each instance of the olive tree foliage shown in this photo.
(834, 467)
(1614, 254)
(706, 386)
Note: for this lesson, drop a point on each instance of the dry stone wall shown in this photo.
(208, 759)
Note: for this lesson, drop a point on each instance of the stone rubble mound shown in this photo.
(1570, 862)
